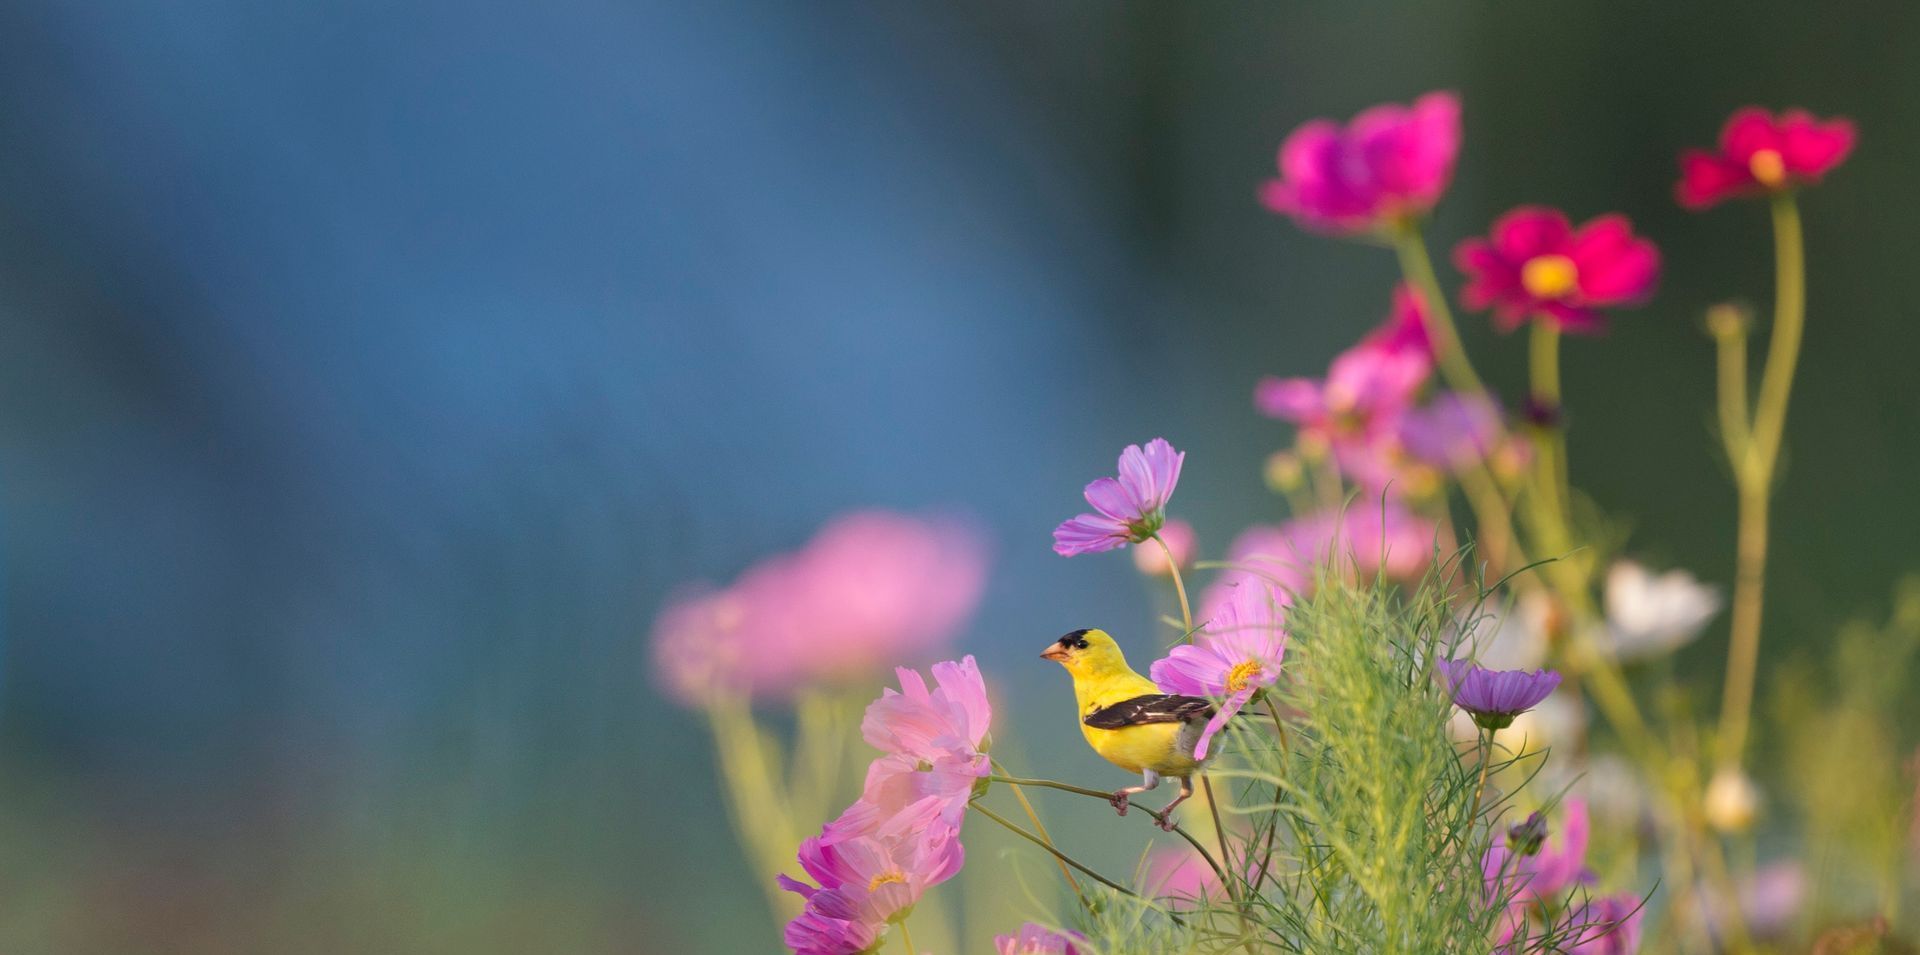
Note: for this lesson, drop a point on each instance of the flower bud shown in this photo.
(1732, 801)
(1284, 472)
(1526, 838)
(1728, 320)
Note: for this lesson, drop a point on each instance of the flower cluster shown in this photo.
(902, 836)
(1538, 876)
(871, 588)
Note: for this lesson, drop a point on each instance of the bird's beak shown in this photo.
(1055, 652)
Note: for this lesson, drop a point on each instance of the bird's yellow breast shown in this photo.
(1165, 748)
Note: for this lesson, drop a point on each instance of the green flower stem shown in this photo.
(1057, 854)
(1480, 785)
(1754, 473)
(1179, 585)
(1417, 266)
(906, 938)
(1034, 817)
(1107, 797)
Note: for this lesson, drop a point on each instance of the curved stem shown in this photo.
(1179, 586)
(1038, 827)
(1417, 266)
(1754, 473)
(906, 937)
(1108, 797)
(1063, 857)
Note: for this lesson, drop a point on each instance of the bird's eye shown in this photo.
(1080, 644)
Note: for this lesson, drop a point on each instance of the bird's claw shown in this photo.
(1119, 801)
(1164, 821)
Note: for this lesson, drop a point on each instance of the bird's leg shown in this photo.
(1148, 779)
(1166, 814)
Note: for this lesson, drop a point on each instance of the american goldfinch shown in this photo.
(1127, 720)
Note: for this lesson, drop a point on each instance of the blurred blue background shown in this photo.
(370, 371)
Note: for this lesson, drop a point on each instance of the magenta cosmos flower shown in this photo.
(935, 742)
(1389, 164)
(1760, 153)
(1536, 882)
(871, 587)
(864, 885)
(1236, 654)
(1494, 697)
(1128, 509)
(1038, 940)
(1537, 265)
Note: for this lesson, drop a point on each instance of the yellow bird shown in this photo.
(1127, 720)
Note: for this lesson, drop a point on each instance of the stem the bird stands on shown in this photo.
(1038, 827)
(1753, 471)
(1107, 797)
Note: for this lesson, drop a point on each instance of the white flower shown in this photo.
(1649, 614)
(1512, 636)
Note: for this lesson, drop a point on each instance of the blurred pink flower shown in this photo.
(1236, 654)
(1178, 874)
(1038, 940)
(871, 587)
(1363, 539)
(1548, 875)
(1452, 430)
(1535, 265)
(1179, 538)
(1760, 153)
(1405, 329)
(1390, 163)
(1609, 925)
(1770, 900)
(1128, 509)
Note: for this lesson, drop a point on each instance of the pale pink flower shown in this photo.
(949, 721)
(882, 878)
(1236, 654)
(1179, 874)
(1361, 540)
(871, 587)
(1127, 509)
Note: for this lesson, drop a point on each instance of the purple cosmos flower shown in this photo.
(1494, 697)
(1038, 940)
(830, 925)
(1128, 509)
(1452, 430)
(1236, 654)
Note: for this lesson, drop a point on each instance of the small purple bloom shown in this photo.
(1494, 697)
(1609, 925)
(1128, 509)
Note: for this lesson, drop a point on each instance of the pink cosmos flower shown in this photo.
(904, 794)
(1178, 874)
(871, 586)
(1761, 154)
(1540, 880)
(1362, 540)
(1390, 163)
(1494, 697)
(950, 721)
(880, 878)
(1128, 509)
(1236, 654)
(1355, 410)
(1038, 940)
(1179, 538)
(831, 925)
(1537, 265)
(1405, 329)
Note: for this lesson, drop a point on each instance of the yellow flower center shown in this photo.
(1767, 167)
(1242, 675)
(1549, 276)
(886, 878)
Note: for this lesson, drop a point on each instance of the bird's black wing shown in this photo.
(1150, 708)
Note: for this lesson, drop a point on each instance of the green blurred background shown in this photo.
(369, 372)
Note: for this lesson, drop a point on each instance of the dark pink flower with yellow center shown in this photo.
(1535, 264)
(1390, 163)
(1236, 654)
(1760, 153)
